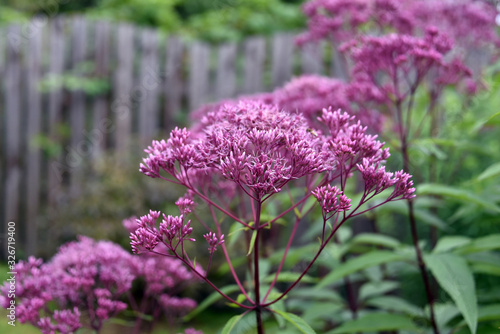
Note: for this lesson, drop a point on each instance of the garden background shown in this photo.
(87, 85)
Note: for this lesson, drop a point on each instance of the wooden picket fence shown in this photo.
(152, 80)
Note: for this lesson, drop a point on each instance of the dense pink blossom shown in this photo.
(84, 276)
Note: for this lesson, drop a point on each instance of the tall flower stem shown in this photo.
(413, 224)
(258, 305)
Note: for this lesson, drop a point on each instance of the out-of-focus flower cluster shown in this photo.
(84, 277)
(389, 68)
(467, 22)
(306, 95)
(90, 278)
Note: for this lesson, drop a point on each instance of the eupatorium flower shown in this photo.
(260, 149)
(84, 276)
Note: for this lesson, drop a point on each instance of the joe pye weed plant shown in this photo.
(241, 156)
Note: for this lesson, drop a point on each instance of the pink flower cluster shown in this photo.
(91, 277)
(261, 148)
(467, 22)
(85, 276)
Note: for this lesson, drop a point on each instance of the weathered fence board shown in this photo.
(199, 74)
(282, 60)
(173, 81)
(33, 129)
(254, 57)
(225, 84)
(81, 147)
(102, 71)
(122, 101)
(57, 48)
(312, 58)
(148, 85)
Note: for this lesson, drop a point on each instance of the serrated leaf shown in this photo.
(297, 322)
(374, 258)
(215, 296)
(491, 171)
(376, 239)
(455, 277)
(375, 322)
(446, 244)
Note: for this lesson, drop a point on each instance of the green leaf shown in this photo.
(290, 277)
(296, 321)
(486, 268)
(455, 277)
(231, 324)
(215, 296)
(278, 306)
(235, 233)
(252, 242)
(317, 294)
(457, 194)
(371, 259)
(392, 303)
(446, 244)
(376, 239)
(489, 312)
(371, 289)
(482, 244)
(375, 322)
(485, 313)
(492, 171)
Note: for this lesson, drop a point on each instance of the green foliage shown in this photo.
(81, 78)
(376, 322)
(296, 321)
(153, 13)
(230, 20)
(455, 277)
(211, 20)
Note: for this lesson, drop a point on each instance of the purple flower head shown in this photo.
(376, 180)
(260, 146)
(64, 322)
(186, 203)
(213, 241)
(172, 231)
(130, 224)
(331, 199)
(192, 331)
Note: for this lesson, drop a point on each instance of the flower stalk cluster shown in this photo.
(257, 150)
(85, 283)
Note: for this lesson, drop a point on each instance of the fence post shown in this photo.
(255, 53)
(33, 163)
(282, 58)
(199, 75)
